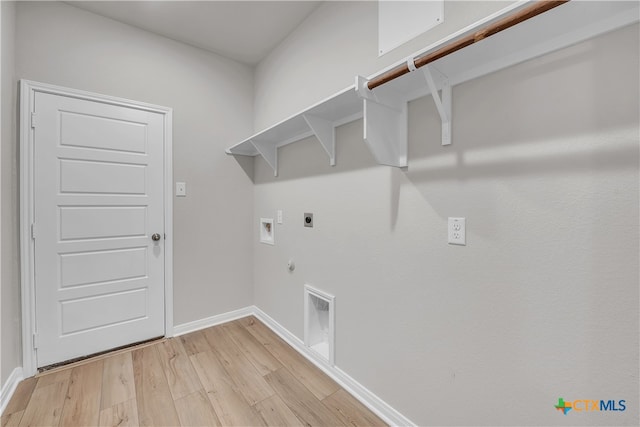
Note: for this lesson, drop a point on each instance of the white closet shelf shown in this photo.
(385, 107)
(320, 120)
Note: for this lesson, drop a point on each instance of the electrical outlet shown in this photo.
(308, 219)
(457, 231)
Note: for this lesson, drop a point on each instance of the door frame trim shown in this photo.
(28, 89)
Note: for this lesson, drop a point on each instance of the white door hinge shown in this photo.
(35, 341)
(33, 231)
(33, 120)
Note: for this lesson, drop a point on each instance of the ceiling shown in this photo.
(245, 31)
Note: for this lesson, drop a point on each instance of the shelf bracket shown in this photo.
(385, 124)
(442, 101)
(269, 152)
(325, 132)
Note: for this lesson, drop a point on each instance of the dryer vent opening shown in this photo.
(319, 324)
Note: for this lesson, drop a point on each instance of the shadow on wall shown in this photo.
(246, 163)
(307, 158)
(531, 119)
(551, 116)
(528, 119)
(544, 166)
(545, 117)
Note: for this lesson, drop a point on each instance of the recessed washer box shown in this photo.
(267, 232)
(319, 323)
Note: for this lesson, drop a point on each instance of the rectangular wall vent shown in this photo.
(319, 323)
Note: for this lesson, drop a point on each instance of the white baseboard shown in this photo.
(196, 325)
(9, 387)
(360, 392)
(357, 390)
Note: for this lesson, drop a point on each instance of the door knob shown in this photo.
(155, 237)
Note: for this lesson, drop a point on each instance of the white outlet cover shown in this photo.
(457, 231)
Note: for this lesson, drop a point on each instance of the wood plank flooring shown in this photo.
(236, 374)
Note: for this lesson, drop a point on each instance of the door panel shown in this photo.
(101, 177)
(102, 222)
(125, 306)
(99, 278)
(81, 130)
(91, 267)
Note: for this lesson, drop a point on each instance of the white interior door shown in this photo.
(98, 189)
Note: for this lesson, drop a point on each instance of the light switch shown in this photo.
(181, 189)
(279, 216)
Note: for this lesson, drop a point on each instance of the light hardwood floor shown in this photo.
(236, 374)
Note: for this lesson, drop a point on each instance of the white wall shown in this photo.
(1, 109)
(334, 44)
(542, 303)
(10, 354)
(211, 99)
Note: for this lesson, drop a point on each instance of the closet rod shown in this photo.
(540, 6)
